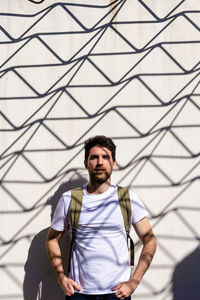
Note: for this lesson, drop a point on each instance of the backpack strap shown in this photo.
(75, 207)
(75, 210)
(125, 205)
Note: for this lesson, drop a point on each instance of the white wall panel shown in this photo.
(69, 70)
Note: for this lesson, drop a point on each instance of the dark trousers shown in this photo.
(79, 296)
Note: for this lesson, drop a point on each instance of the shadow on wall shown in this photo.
(40, 282)
(186, 278)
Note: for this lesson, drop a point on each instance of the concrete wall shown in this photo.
(128, 69)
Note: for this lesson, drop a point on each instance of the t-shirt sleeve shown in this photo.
(61, 214)
(137, 208)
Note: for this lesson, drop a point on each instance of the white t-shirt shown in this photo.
(100, 258)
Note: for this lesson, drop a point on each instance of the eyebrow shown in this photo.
(96, 155)
(93, 155)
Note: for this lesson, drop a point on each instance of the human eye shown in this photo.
(93, 157)
(107, 157)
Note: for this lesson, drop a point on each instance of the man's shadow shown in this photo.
(186, 278)
(40, 281)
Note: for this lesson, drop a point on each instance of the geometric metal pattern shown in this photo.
(73, 69)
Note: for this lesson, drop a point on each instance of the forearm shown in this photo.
(146, 256)
(125, 289)
(145, 234)
(54, 256)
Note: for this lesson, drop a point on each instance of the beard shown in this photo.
(95, 178)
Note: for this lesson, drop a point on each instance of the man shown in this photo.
(100, 267)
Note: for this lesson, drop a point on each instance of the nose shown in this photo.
(100, 161)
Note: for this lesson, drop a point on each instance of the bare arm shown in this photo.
(145, 233)
(54, 255)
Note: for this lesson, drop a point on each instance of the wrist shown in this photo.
(60, 275)
(134, 282)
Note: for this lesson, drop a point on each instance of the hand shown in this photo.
(125, 289)
(68, 285)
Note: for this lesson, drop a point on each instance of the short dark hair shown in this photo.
(102, 141)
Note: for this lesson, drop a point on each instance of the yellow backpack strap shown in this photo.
(75, 207)
(75, 210)
(125, 205)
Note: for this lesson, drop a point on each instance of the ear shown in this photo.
(114, 164)
(85, 163)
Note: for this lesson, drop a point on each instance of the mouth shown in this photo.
(99, 170)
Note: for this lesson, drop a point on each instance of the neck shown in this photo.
(98, 188)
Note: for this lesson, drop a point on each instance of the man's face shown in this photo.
(100, 164)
